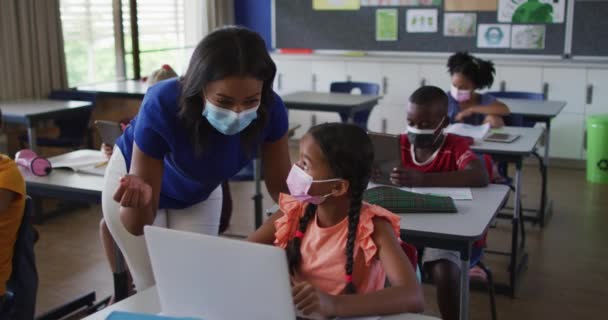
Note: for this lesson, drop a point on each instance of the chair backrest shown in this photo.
(76, 125)
(23, 282)
(518, 95)
(518, 120)
(367, 88)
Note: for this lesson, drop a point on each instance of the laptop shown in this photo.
(215, 278)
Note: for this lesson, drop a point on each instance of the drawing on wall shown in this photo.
(493, 35)
(336, 4)
(386, 24)
(528, 37)
(421, 20)
(399, 3)
(531, 11)
(470, 5)
(459, 24)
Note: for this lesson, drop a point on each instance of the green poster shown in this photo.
(386, 24)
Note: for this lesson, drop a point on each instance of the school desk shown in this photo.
(135, 89)
(515, 153)
(147, 302)
(31, 112)
(542, 111)
(456, 231)
(342, 103)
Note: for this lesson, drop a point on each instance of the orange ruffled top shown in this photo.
(324, 249)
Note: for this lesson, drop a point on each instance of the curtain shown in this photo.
(32, 60)
(219, 13)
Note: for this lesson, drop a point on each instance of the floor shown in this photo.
(567, 277)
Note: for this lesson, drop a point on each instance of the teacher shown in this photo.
(190, 134)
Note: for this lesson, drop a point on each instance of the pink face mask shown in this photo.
(37, 165)
(299, 182)
(460, 95)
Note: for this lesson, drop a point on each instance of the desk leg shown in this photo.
(31, 136)
(464, 283)
(513, 267)
(257, 198)
(121, 276)
(544, 169)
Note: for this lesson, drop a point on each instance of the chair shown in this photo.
(367, 88)
(73, 129)
(23, 283)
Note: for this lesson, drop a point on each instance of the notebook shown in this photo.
(397, 200)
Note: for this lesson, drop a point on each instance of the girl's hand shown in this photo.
(133, 192)
(107, 150)
(406, 177)
(494, 121)
(460, 116)
(311, 301)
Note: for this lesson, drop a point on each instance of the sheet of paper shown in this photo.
(467, 130)
(454, 193)
(386, 24)
(531, 36)
(493, 35)
(531, 11)
(470, 5)
(399, 3)
(421, 20)
(459, 24)
(361, 318)
(336, 4)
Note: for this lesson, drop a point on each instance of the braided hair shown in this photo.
(349, 152)
(480, 72)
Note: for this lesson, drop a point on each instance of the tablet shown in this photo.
(109, 131)
(501, 137)
(387, 155)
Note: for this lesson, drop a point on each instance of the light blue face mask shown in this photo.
(227, 121)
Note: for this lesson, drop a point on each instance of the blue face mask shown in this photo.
(227, 121)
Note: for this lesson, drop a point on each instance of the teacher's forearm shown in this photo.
(134, 219)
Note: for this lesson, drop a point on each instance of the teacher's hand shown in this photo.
(133, 192)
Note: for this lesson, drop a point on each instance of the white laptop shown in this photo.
(215, 278)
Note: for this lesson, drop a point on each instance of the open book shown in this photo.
(83, 161)
(467, 130)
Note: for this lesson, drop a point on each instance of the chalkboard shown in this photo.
(590, 29)
(297, 25)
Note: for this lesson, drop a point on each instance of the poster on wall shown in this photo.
(336, 4)
(386, 24)
(471, 5)
(528, 36)
(531, 11)
(421, 20)
(459, 24)
(399, 3)
(493, 35)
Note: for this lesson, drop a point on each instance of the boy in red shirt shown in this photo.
(430, 158)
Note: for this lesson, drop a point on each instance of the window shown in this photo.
(168, 32)
(88, 36)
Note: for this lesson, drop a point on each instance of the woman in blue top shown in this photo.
(191, 134)
(465, 104)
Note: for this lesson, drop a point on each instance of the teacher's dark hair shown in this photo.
(225, 52)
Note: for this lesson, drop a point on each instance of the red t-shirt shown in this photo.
(454, 154)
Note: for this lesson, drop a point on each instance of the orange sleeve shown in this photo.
(287, 225)
(366, 228)
(10, 176)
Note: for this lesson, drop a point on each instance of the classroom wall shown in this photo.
(256, 15)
